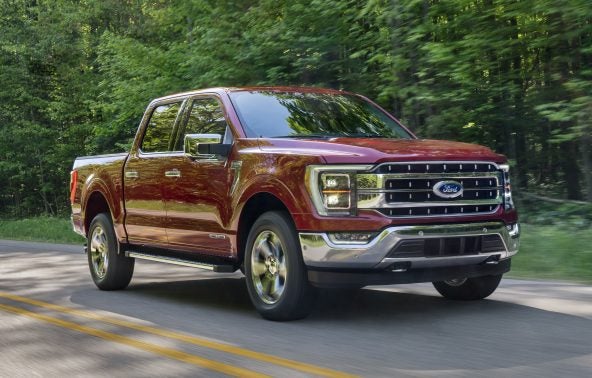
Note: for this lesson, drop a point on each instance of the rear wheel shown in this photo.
(468, 288)
(109, 269)
(275, 272)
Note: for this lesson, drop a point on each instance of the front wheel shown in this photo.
(275, 272)
(109, 269)
(468, 289)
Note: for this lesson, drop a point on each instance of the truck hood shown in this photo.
(377, 150)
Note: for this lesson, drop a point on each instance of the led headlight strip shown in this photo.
(508, 202)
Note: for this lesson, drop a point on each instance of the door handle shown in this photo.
(173, 173)
(131, 174)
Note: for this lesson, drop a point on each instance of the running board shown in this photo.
(220, 268)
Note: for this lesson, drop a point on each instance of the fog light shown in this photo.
(351, 237)
(513, 230)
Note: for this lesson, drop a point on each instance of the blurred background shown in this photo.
(514, 75)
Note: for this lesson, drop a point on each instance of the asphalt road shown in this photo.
(176, 321)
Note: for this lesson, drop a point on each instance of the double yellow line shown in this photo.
(163, 351)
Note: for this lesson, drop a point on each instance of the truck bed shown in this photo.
(99, 159)
(102, 174)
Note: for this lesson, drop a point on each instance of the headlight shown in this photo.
(336, 191)
(508, 202)
(332, 188)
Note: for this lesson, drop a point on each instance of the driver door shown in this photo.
(197, 199)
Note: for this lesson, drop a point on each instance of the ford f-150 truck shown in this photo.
(299, 188)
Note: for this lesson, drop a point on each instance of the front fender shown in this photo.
(270, 185)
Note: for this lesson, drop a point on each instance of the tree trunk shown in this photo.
(586, 152)
(570, 169)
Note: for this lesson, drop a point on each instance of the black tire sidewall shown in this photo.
(120, 268)
(472, 289)
(296, 286)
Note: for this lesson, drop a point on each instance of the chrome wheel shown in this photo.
(99, 252)
(455, 282)
(268, 267)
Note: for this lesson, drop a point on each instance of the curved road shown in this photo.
(175, 321)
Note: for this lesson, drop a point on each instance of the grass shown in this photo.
(554, 252)
(546, 252)
(42, 229)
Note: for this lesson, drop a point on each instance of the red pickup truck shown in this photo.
(299, 188)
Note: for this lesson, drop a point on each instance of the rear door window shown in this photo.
(158, 135)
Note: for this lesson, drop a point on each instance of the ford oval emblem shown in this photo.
(448, 189)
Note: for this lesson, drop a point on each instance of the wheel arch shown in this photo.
(103, 193)
(254, 207)
(96, 203)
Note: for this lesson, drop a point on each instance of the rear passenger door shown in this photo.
(144, 175)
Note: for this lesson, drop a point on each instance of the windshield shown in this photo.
(294, 114)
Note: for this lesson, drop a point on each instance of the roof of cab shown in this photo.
(220, 90)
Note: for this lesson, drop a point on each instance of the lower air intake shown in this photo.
(445, 247)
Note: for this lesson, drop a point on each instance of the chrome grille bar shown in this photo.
(394, 193)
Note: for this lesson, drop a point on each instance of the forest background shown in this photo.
(514, 75)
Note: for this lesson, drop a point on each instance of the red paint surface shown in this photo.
(181, 213)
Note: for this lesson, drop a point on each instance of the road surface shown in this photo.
(182, 322)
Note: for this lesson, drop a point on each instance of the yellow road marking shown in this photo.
(268, 358)
(167, 352)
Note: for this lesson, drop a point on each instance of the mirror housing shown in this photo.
(205, 146)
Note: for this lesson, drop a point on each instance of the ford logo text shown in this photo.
(448, 189)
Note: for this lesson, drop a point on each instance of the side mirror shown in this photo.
(205, 146)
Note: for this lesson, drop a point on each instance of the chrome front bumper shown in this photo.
(319, 251)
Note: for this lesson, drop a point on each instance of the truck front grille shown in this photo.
(410, 189)
(445, 247)
(437, 211)
(437, 167)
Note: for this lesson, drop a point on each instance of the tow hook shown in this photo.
(492, 260)
(400, 267)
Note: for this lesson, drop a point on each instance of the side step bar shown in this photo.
(220, 268)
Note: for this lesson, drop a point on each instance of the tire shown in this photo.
(276, 276)
(109, 269)
(468, 289)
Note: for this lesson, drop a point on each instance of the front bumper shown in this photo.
(319, 252)
(360, 278)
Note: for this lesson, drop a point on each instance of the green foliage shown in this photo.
(76, 76)
(42, 229)
(566, 216)
(548, 252)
